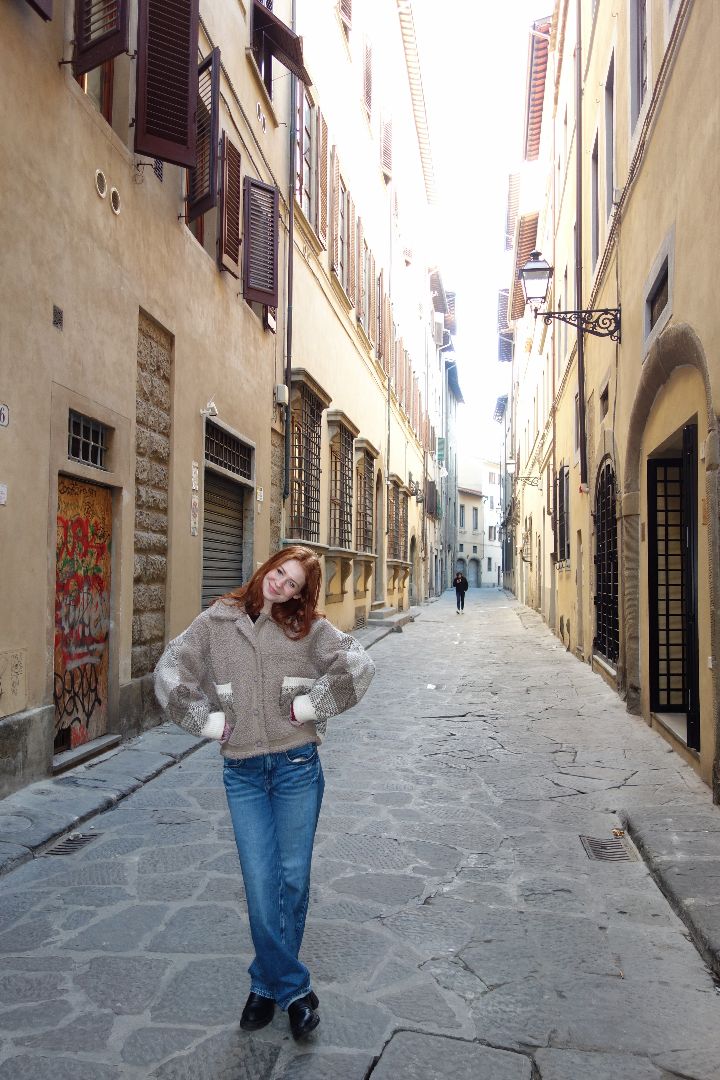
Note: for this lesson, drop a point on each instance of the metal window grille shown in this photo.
(607, 623)
(341, 484)
(228, 451)
(641, 50)
(305, 483)
(562, 502)
(667, 586)
(393, 511)
(365, 491)
(87, 440)
(403, 525)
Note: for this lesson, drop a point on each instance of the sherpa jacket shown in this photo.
(225, 668)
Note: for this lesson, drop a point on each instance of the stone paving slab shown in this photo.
(457, 927)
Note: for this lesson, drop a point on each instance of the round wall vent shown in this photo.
(100, 183)
(115, 200)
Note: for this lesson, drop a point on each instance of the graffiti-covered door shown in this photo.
(82, 612)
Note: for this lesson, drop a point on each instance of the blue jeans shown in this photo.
(460, 599)
(274, 803)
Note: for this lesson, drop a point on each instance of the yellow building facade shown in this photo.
(223, 332)
(622, 468)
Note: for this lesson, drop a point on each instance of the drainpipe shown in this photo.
(579, 246)
(290, 264)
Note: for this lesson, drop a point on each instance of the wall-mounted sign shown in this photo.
(4, 415)
(195, 476)
(194, 514)
(440, 455)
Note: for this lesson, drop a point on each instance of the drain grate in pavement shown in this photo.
(72, 843)
(613, 849)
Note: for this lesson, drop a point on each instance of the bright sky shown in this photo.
(474, 68)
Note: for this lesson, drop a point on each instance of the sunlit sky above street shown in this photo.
(474, 69)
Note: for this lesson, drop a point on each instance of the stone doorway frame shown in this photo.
(678, 346)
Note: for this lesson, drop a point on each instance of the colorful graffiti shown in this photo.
(82, 612)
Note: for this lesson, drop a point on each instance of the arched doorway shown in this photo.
(607, 621)
(412, 584)
(379, 576)
(472, 574)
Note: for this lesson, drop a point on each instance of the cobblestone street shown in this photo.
(457, 927)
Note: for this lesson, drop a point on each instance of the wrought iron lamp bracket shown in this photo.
(531, 481)
(600, 322)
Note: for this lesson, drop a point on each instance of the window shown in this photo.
(604, 401)
(594, 205)
(227, 451)
(365, 481)
(367, 78)
(658, 291)
(229, 252)
(489, 562)
(638, 57)
(98, 85)
(474, 549)
(610, 137)
(345, 13)
(341, 480)
(397, 522)
(87, 440)
(475, 518)
(607, 623)
(344, 232)
(491, 502)
(201, 182)
(304, 152)
(462, 515)
(576, 425)
(492, 478)
(271, 37)
(562, 518)
(658, 298)
(491, 532)
(101, 34)
(305, 462)
(461, 547)
(260, 244)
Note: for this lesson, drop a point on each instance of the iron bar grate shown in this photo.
(70, 844)
(607, 849)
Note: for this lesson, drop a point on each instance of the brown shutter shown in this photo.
(372, 300)
(322, 167)
(352, 258)
(407, 389)
(44, 8)
(346, 12)
(202, 187)
(381, 328)
(388, 335)
(386, 149)
(167, 80)
(367, 77)
(260, 236)
(230, 216)
(361, 295)
(335, 211)
(101, 32)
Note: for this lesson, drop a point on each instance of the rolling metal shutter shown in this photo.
(222, 537)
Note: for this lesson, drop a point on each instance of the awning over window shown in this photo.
(285, 45)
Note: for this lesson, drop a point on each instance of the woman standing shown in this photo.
(262, 671)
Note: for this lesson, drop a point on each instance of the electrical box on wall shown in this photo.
(282, 394)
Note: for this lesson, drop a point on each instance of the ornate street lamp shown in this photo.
(535, 277)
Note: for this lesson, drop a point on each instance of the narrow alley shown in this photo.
(457, 927)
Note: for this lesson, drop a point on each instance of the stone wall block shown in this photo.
(140, 662)
(151, 444)
(152, 627)
(158, 475)
(150, 521)
(159, 393)
(148, 598)
(149, 543)
(149, 498)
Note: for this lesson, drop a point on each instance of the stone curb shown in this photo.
(681, 849)
(32, 818)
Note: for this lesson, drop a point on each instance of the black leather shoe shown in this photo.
(258, 1012)
(313, 999)
(302, 1016)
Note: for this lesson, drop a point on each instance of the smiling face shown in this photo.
(282, 583)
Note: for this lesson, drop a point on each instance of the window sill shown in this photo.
(307, 232)
(675, 724)
(267, 100)
(340, 292)
(289, 541)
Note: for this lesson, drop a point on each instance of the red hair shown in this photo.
(295, 616)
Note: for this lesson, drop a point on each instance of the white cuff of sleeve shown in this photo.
(303, 709)
(214, 726)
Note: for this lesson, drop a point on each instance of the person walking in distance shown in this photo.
(461, 585)
(262, 671)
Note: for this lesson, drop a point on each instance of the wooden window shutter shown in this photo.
(167, 80)
(260, 236)
(101, 32)
(229, 255)
(388, 335)
(372, 287)
(202, 188)
(386, 149)
(352, 259)
(361, 295)
(346, 12)
(322, 168)
(380, 343)
(367, 77)
(44, 8)
(407, 395)
(335, 211)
